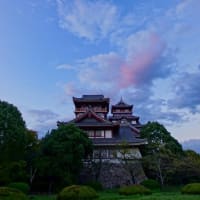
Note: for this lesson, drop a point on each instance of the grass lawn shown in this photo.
(42, 197)
(154, 196)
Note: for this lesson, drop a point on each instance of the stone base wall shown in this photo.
(113, 174)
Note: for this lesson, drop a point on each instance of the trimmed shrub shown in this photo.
(7, 193)
(77, 192)
(95, 185)
(134, 189)
(151, 184)
(192, 188)
(23, 187)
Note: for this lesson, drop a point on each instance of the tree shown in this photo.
(129, 160)
(32, 154)
(187, 169)
(12, 133)
(158, 136)
(13, 142)
(161, 152)
(62, 153)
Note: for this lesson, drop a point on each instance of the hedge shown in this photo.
(134, 189)
(7, 193)
(77, 192)
(192, 188)
(23, 187)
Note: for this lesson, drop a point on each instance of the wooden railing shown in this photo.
(95, 109)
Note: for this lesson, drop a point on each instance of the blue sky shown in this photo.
(145, 51)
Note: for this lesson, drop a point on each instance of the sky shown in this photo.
(146, 51)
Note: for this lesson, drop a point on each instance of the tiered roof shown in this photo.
(122, 104)
(92, 120)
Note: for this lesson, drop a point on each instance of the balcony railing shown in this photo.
(95, 109)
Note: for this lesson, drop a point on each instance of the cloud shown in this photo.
(150, 109)
(41, 120)
(65, 66)
(87, 19)
(130, 74)
(116, 71)
(188, 8)
(144, 50)
(42, 116)
(43, 128)
(186, 88)
(193, 144)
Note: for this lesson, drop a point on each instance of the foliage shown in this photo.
(12, 133)
(160, 153)
(32, 154)
(95, 185)
(158, 136)
(192, 188)
(16, 145)
(151, 184)
(113, 195)
(77, 192)
(7, 193)
(12, 171)
(23, 187)
(187, 168)
(63, 149)
(134, 189)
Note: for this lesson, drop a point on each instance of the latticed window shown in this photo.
(99, 133)
(90, 133)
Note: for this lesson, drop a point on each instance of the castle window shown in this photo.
(99, 133)
(90, 133)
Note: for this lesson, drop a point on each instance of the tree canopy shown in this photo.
(158, 137)
(12, 133)
(64, 149)
(161, 152)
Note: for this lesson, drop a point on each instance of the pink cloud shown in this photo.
(140, 64)
(113, 73)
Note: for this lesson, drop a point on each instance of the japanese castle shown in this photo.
(116, 140)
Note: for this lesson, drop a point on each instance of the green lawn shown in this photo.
(154, 196)
(42, 197)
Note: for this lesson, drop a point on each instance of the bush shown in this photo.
(7, 193)
(151, 184)
(134, 189)
(95, 185)
(192, 188)
(77, 192)
(23, 187)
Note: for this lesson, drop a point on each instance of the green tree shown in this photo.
(62, 153)
(32, 154)
(13, 142)
(161, 152)
(12, 133)
(187, 169)
(158, 136)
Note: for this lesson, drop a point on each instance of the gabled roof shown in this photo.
(90, 118)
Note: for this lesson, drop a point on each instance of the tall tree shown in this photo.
(62, 153)
(12, 133)
(158, 136)
(187, 169)
(161, 152)
(13, 144)
(32, 154)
